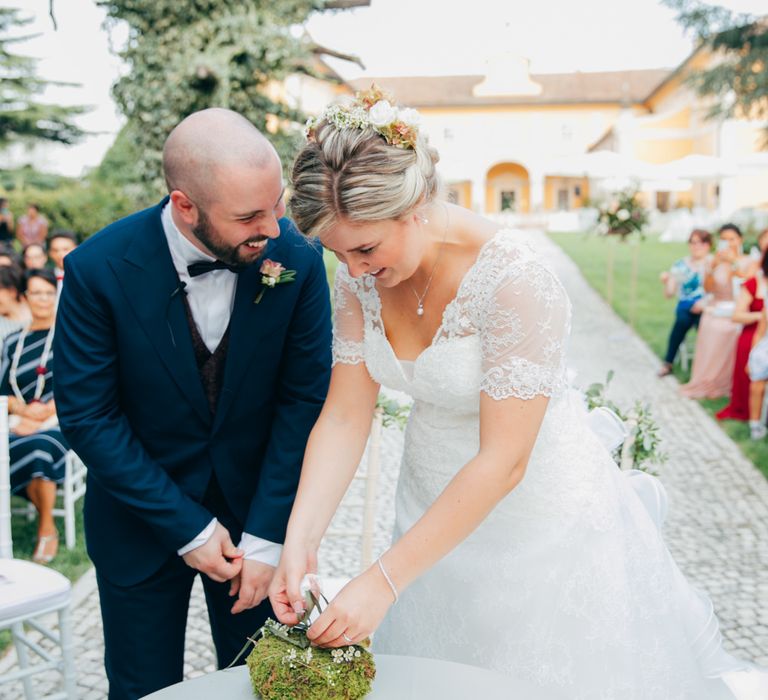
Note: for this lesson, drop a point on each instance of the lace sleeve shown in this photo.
(524, 332)
(347, 320)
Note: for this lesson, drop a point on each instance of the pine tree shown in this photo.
(22, 117)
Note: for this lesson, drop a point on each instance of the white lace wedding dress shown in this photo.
(567, 584)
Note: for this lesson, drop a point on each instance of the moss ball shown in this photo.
(280, 670)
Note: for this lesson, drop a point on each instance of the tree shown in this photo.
(21, 116)
(186, 56)
(738, 78)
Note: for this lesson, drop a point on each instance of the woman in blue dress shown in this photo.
(37, 448)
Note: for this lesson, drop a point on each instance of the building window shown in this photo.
(453, 195)
(577, 191)
(562, 200)
(508, 200)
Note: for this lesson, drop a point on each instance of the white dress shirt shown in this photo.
(211, 297)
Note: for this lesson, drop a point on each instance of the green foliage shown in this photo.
(21, 116)
(393, 412)
(187, 56)
(287, 670)
(623, 215)
(738, 80)
(81, 207)
(644, 450)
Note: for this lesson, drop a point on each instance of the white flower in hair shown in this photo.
(409, 116)
(382, 114)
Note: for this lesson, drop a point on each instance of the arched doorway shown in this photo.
(507, 189)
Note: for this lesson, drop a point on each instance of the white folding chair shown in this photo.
(29, 592)
(71, 489)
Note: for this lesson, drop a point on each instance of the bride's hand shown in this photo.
(355, 613)
(285, 589)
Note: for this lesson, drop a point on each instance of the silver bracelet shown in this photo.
(389, 580)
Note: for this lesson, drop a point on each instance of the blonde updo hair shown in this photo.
(355, 174)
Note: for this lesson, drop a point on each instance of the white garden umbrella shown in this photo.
(602, 164)
(699, 167)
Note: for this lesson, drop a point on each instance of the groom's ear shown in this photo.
(185, 207)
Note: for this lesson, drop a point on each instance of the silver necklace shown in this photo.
(420, 297)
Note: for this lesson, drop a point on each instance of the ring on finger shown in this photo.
(346, 638)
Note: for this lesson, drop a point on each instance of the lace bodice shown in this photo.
(504, 333)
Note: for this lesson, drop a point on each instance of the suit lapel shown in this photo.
(250, 326)
(151, 285)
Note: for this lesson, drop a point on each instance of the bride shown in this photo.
(518, 544)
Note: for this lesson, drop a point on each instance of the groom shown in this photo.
(188, 383)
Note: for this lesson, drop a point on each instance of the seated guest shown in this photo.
(34, 257)
(749, 311)
(14, 312)
(715, 355)
(37, 447)
(686, 279)
(59, 245)
(8, 256)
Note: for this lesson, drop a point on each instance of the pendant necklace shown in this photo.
(420, 297)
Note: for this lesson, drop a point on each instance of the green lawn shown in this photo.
(652, 314)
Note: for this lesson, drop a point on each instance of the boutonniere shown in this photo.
(273, 273)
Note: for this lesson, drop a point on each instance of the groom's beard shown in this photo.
(212, 240)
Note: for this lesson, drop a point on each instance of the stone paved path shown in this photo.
(717, 527)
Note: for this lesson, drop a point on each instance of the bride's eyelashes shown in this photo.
(367, 251)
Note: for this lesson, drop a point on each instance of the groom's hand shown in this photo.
(218, 558)
(252, 584)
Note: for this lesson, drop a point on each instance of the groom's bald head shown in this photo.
(208, 143)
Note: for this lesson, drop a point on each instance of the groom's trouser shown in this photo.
(144, 624)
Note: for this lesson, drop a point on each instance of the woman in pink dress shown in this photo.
(715, 355)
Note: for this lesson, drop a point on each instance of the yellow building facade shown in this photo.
(506, 139)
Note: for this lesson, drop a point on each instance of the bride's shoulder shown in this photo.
(507, 247)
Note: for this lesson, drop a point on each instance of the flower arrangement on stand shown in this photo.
(623, 215)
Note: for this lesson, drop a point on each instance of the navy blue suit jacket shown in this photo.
(131, 403)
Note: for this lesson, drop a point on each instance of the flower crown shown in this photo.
(372, 109)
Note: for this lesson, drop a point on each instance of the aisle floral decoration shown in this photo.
(623, 215)
(643, 451)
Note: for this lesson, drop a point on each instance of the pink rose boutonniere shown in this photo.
(273, 273)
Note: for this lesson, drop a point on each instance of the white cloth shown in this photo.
(211, 298)
(567, 584)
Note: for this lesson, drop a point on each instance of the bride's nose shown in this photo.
(357, 268)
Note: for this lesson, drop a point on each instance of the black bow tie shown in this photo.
(203, 266)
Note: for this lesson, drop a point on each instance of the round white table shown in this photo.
(397, 678)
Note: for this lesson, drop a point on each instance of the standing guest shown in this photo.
(37, 448)
(6, 221)
(748, 311)
(715, 355)
(193, 355)
(60, 244)
(686, 279)
(32, 227)
(34, 257)
(14, 312)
